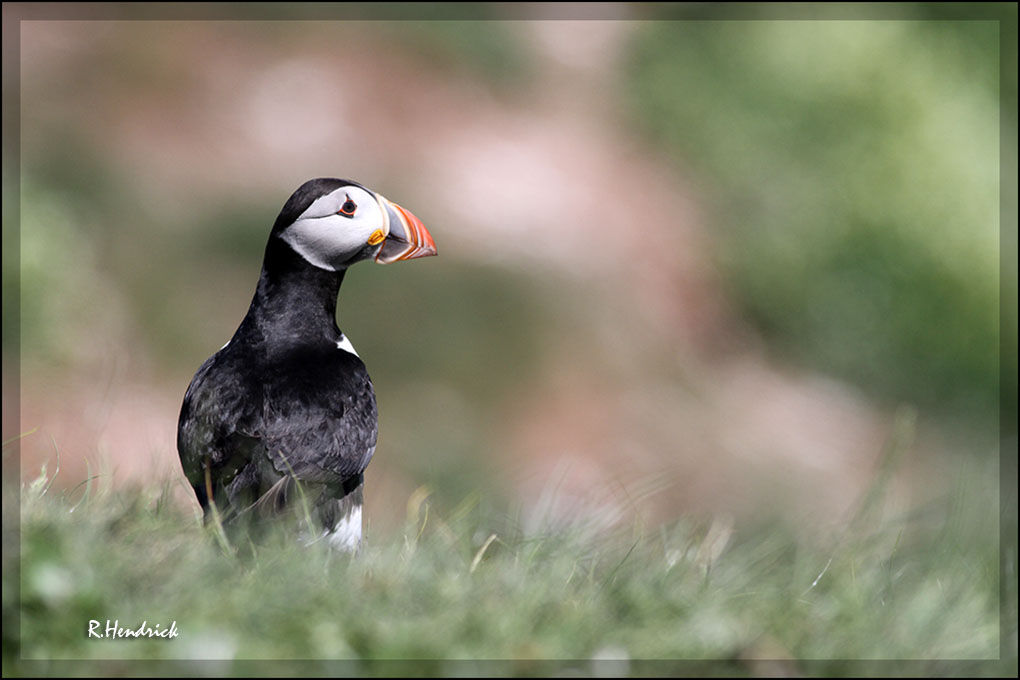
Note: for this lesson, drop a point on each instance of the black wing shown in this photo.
(308, 413)
(218, 426)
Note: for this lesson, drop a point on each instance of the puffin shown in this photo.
(284, 415)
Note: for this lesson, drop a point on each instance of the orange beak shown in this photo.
(408, 237)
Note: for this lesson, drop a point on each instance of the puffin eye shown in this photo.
(348, 208)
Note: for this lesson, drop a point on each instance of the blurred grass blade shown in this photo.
(21, 436)
(900, 440)
(481, 552)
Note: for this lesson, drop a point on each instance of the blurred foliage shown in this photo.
(57, 254)
(854, 167)
(486, 49)
(921, 587)
(482, 330)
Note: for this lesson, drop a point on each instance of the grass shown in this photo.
(461, 583)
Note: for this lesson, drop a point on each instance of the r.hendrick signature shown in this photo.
(113, 630)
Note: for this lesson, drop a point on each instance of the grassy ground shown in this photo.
(466, 583)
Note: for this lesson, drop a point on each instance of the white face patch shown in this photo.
(345, 344)
(336, 226)
(347, 535)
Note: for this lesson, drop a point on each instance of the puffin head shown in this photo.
(333, 223)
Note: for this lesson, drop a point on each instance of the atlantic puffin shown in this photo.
(285, 412)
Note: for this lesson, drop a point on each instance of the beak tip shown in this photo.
(411, 241)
